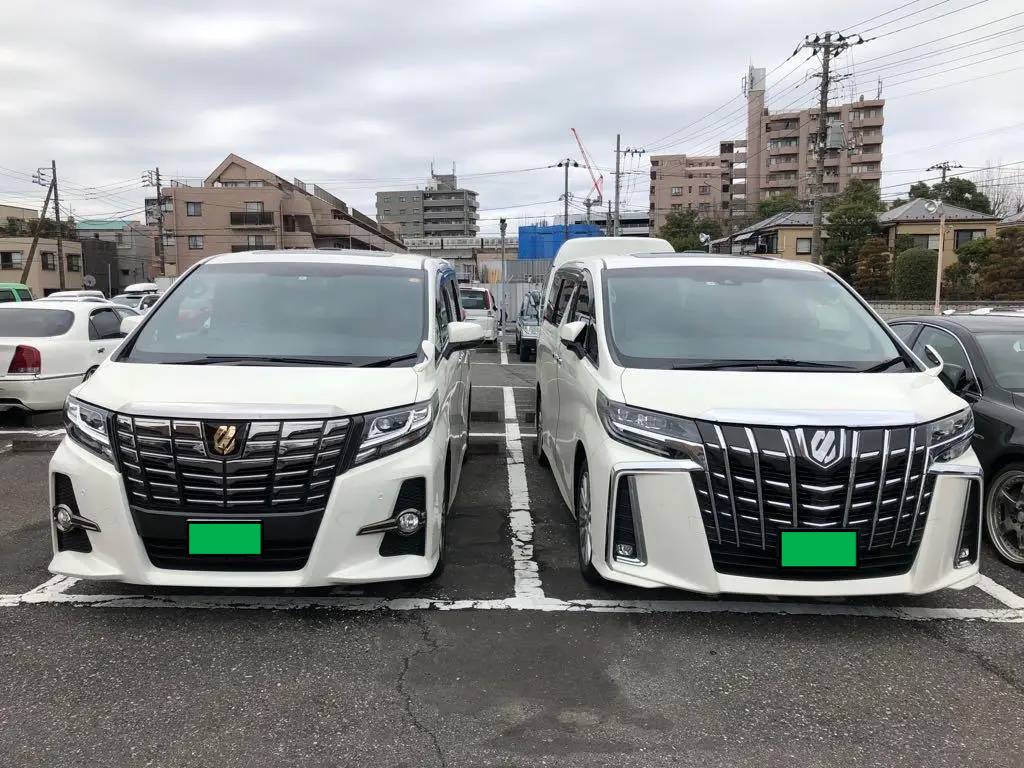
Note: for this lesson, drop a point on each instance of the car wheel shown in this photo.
(538, 449)
(518, 345)
(584, 539)
(1004, 513)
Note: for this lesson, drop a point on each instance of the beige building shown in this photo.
(913, 219)
(1013, 220)
(699, 183)
(17, 212)
(786, 235)
(241, 206)
(43, 277)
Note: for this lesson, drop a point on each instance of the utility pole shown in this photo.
(37, 178)
(588, 204)
(829, 45)
(565, 198)
(933, 206)
(619, 152)
(945, 166)
(56, 216)
(152, 178)
(502, 226)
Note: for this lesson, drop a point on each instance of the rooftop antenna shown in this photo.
(879, 95)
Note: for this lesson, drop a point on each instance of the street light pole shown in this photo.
(938, 259)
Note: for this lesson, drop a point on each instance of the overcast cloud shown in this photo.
(361, 96)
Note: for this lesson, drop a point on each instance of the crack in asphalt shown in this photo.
(976, 656)
(432, 647)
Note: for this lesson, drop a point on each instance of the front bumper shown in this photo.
(36, 393)
(673, 550)
(361, 496)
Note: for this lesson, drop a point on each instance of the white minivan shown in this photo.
(480, 308)
(279, 419)
(748, 425)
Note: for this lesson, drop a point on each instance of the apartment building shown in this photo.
(43, 276)
(135, 245)
(442, 209)
(699, 183)
(242, 206)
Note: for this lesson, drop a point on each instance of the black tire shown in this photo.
(1004, 513)
(538, 451)
(442, 554)
(469, 416)
(581, 510)
(517, 347)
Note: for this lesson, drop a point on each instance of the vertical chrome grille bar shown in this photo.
(728, 481)
(881, 486)
(854, 452)
(756, 456)
(920, 490)
(906, 485)
(791, 455)
(711, 495)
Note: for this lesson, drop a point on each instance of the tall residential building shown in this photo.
(440, 210)
(778, 156)
(241, 206)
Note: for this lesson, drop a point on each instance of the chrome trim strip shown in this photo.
(638, 526)
(232, 411)
(849, 419)
(791, 456)
(728, 481)
(881, 487)
(852, 484)
(906, 484)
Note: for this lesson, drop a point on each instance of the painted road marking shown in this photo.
(526, 571)
(1005, 596)
(503, 352)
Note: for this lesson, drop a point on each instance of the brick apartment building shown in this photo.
(241, 206)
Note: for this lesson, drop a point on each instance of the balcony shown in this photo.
(783, 149)
(786, 164)
(252, 218)
(867, 122)
(866, 157)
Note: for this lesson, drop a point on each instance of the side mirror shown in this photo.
(463, 335)
(935, 359)
(953, 376)
(130, 323)
(571, 335)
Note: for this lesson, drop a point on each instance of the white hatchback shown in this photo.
(277, 420)
(748, 425)
(49, 347)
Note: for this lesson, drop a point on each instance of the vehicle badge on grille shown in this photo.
(825, 447)
(223, 441)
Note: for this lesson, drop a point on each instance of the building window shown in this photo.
(689, 190)
(803, 245)
(168, 241)
(704, 190)
(964, 236)
(11, 260)
(725, 187)
(930, 242)
(193, 209)
(655, 163)
(195, 242)
(255, 241)
(677, 190)
(74, 263)
(677, 206)
(49, 261)
(254, 206)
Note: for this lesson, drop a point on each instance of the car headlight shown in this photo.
(669, 436)
(531, 330)
(88, 426)
(949, 438)
(388, 431)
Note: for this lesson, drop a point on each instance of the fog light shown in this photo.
(409, 522)
(64, 518)
(963, 557)
(624, 550)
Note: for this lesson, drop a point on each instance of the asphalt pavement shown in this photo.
(506, 659)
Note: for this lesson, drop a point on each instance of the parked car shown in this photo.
(76, 295)
(295, 443)
(143, 302)
(11, 292)
(748, 425)
(528, 325)
(49, 347)
(480, 308)
(984, 364)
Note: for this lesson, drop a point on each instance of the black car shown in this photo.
(984, 364)
(528, 325)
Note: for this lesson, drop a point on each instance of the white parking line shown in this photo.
(496, 386)
(503, 352)
(526, 572)
(14, 434)
(1007, 597)
(499, 434)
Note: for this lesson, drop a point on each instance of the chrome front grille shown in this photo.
(760, 480)
(275, 466)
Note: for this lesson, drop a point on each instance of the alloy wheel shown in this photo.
(583, 518)
(1005, 515)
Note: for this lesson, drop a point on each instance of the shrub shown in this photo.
(913, 276)
(873, 278)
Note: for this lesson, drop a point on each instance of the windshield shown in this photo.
(665, 317)
(1004, 353)
(309, 312)
(127, 301)
(34, 323)
(473, 299)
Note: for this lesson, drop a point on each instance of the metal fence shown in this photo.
(891, 309)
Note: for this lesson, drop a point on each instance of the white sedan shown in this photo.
(47, 348)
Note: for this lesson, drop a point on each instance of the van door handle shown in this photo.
(101, 350)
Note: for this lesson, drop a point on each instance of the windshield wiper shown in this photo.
(884, 365)
(384, 362)
(257, 360)
(777, 362)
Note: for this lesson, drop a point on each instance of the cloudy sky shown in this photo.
(361, 96)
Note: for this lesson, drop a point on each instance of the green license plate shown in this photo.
(818, 549)
(225, 538)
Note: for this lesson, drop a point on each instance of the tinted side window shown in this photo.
(583, 309)
(549, 304)
(905, 331)
(561, 299)
(453, 300)
(945, 344)
(442, 312)
(104, 324)
(6, 295)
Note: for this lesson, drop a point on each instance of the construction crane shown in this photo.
(597, 178)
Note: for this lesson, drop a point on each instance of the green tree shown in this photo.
(903, 243)
(683, 230)
(1002, 276)
(783, 203)
(913, 275)
(955, 191)
(961, 279)
(873, 278)
(852, 219)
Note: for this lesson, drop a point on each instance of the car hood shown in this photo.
(226, 390)
(792, 399)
